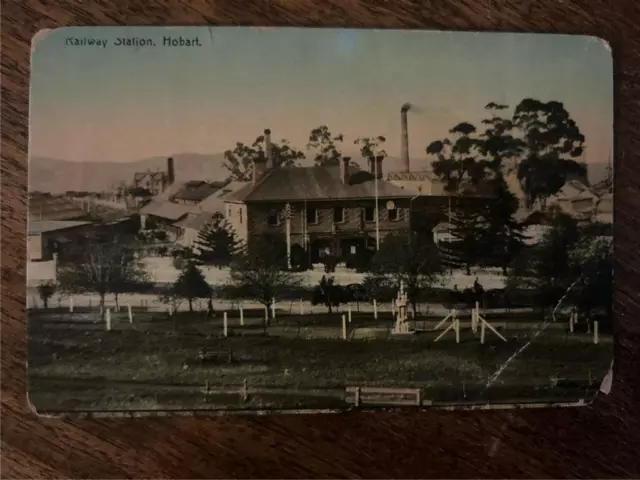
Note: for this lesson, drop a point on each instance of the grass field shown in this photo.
(297, 362)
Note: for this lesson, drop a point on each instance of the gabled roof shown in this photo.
(412, 176)
(215, 203)
(165, 209)
(315, 183)
(195, 221)
(154, 175)
(195, 191)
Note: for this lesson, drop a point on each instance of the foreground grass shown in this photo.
(153, 363)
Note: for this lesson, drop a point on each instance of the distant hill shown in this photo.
(57, 176)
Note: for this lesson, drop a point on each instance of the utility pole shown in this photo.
(375, 159)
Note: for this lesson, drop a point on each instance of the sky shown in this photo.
(121, 104)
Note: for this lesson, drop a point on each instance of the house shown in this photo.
(536, 224)
(202, 213)
(48, 237)
(155, 182)
(323, 210)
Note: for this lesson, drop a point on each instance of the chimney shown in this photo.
(271, 163)
(344, 170)
(372, 165)
(170, 172)
(259, 168)
(379, 159)
(404, 138)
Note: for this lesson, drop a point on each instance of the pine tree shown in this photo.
(502, 238)
(216, 243)
(468, 225)
(191, 284)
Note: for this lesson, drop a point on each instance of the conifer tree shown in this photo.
(216, 243)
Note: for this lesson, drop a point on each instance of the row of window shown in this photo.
(338, 215)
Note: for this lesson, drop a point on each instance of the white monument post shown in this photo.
(402, 326)
(344, 327)
(130, 313)
(107, 318)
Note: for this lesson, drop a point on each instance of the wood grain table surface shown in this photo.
(599, 441)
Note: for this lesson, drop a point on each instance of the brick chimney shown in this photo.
(372, 165)
(379, 159)
(344, 170)
(170, 172)
(259, 169)
(271, 162)
(404, 138)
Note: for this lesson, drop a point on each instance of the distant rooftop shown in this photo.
(37, 227)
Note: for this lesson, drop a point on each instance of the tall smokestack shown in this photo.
(171, 177)
(404, 138)
(271, 163)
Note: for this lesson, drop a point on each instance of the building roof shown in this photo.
(573, 189)
(195, 221)
(37, 227)
(195, 191)
(48, 207)
(215, 203)
(137, 176)
(166, 209)
(413, 176)
(315, 183)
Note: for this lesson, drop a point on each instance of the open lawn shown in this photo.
(299, 361)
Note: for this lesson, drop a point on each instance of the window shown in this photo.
(228, 211)
(240, 215)
(338, 214)
(312, 215)
(369, 214)
(394, 215)
(273, 219)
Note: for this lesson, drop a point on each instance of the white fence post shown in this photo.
(349, 312)
(241, 316)
(273, 308)
(344, 327)
(596, 338)
(108, 319)
(71, 303)
(225, 323)
(130, 313)
(301, 307)
(375, 309)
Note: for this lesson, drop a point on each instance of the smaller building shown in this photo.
(155, 182)
(46, 237)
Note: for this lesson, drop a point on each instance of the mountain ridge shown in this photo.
(56, 175)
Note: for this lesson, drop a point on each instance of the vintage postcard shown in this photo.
(235, 219)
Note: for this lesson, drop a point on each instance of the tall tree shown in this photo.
(468, 229)
(191, 285)
(546, 267)
(216, 243)
(98, 268)
(553, 145)
(459, 161)
(46, 290)
(325, 146)
(239, 161)
(371, 147)
(129, 276)
(260, 271)
(406, 259)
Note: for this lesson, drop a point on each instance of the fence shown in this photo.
(383, 396)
